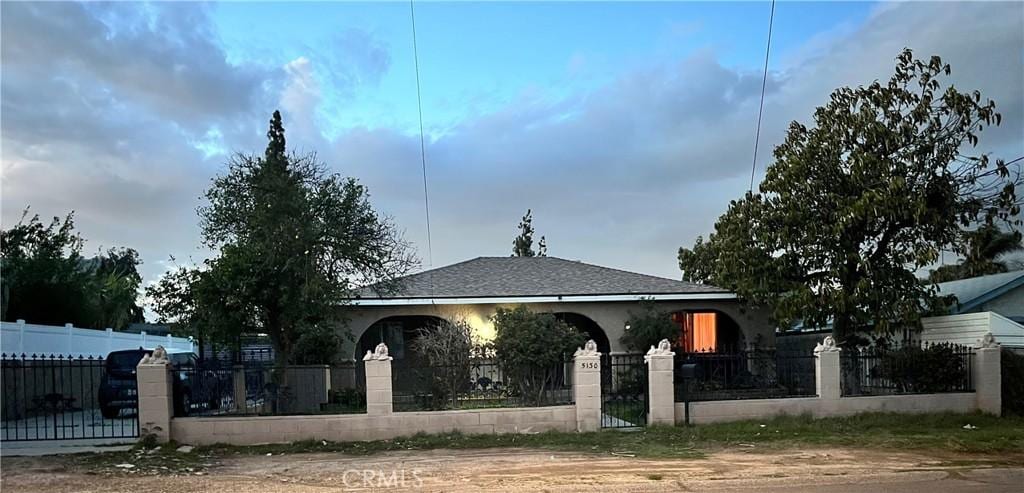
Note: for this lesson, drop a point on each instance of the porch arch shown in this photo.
(397, 331)
(589, 327)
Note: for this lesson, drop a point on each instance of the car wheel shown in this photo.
(109, 412)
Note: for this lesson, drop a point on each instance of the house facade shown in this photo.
(1001, 293)
(596, 300)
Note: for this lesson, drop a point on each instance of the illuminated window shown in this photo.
(699, 331)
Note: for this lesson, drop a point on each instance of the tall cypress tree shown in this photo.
(522, 245)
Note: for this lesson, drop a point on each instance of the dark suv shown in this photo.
(119, 385)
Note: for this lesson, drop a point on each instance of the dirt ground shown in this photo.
(536, 471)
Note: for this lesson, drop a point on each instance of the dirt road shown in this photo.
(536, 471)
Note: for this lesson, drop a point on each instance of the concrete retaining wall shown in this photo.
(381, 422)
(738, 410)
(358, 427)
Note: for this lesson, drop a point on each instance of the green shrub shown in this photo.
(316, 345)
(648, 326)
(914, 369)
(1012, 372)
(531, 347)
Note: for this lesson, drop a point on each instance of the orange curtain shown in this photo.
(685, 321)
(705, 327)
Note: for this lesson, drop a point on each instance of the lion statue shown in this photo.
(158, 357)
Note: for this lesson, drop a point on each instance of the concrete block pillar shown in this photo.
(660, 387)
(826, 369)
(988, 386)
(156, 400)
(378, 381)
(586, 387)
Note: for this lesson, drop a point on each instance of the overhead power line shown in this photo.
(423, 146)
(760, 109)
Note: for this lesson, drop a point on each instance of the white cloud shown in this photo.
(126, 125)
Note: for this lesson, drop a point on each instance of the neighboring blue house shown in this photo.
(998, 293)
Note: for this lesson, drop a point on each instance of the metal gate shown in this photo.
(64, 398)
(623, 391)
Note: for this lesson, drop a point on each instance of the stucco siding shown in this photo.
(610, 316)
(1009, 305)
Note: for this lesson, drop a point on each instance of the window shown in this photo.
(699, 331)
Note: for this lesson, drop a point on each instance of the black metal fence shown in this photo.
(59, 397)
(910, 369)
(624, 391)
(744, 374)
(477, 383)
(260, 388)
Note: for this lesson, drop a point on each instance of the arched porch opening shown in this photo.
(707, 331)
(398, 332)
(589, 328)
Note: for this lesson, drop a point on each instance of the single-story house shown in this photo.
(1000, 293)
(992, 303)
(985, 304)
(594, 299)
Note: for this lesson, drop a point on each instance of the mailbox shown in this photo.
(689, 371)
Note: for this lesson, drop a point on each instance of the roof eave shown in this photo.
(590, 298)
(989, 296)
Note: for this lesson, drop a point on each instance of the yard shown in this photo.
(916, 452)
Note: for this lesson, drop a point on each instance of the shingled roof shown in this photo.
(492, 277)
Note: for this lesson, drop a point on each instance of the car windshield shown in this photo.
(126, 359)
(182, 359)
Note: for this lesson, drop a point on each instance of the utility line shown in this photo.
(760, 109)
(423, 146)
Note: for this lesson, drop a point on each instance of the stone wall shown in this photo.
(381, 422)
(739, 410)
(830, 402)
(359, 427)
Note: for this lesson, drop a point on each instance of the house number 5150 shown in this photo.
(589, 365)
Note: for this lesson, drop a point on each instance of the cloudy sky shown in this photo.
(627, 128)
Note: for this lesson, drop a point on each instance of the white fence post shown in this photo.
(142, 335)
(170, 342)
(988, 385)
(69, 330)
(110, 340)
(660, 390)
(378, 381)
(21, 336)
(586, 387)
(155, 399)
(826, 371)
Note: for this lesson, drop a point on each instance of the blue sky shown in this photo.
(476, 57)
(626, 127)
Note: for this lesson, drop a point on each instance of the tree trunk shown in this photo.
(282, 355)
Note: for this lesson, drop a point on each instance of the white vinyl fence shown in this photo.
(18, 338)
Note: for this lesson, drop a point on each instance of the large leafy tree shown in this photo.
(522, 245)
(294, 243)
(857, 203)
(46, 280)
(987, 248)
(116, 287)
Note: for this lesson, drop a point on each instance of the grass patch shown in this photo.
(943, 432)
(933, 432)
